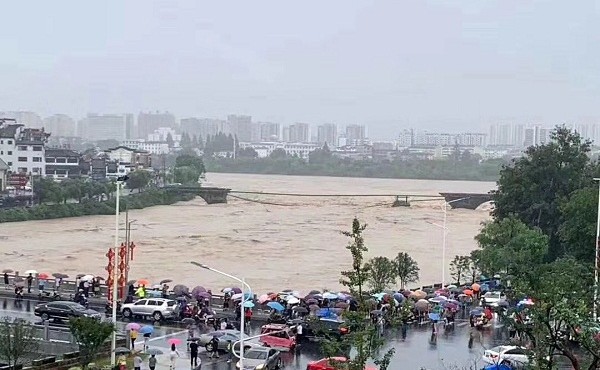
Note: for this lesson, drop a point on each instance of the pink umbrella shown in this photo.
(133, 326)
(174, 341)
(263, 298)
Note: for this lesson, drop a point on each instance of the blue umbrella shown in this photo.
(497, 367)
(434, 316)
(476, 311)
(147, 329)
(399, 297)
(326, 312)
(276, 306)
(249, 304)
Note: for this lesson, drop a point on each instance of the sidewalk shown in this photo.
(183, 362)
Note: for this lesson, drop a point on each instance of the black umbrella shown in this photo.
(314, 292)
(7, 271)
(300, 309)
(60, 275)
(154, 351)
(122, 351)
(164, 281)
(193, 339)
(79, 276)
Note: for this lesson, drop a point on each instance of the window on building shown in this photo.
(50, 160)
(72, 160)
(61, 160)
(22, 169)
(37, 159)
(9, 152)
(37, 148)
(23, 147)
(22, 159)
(61, 172)
(9, 163)
(9, 142)
(36, 169)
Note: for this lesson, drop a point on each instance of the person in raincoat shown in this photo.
(141, 292)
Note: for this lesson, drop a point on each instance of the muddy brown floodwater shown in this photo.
(294, 243)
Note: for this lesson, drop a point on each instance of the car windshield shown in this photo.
(171, 303)
(256, 355)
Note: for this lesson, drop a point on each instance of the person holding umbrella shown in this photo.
(173, 356)
(133, 336)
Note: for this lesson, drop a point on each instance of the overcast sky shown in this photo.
(445, 65)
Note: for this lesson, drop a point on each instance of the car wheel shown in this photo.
(45, 317)
(278, 364)
(209, 347)
(127, 313)
(157, 316)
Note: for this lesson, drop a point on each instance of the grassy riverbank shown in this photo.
(89, 207)
(415, 169)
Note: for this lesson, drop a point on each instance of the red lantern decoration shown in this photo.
(110, 254)
(131, 247)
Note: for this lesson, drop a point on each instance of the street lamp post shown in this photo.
(113, 343)
(242, 316)
(596, 262)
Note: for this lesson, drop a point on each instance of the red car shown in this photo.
(279, 336)
(330, 364)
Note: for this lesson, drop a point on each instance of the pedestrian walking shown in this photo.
(86, 288)
(146, 339)
(229, 351)
(41, 285)
(29, 282)
(193, 354)
(152, 362)
(299, 330)
(173, 356)
(215, 347)
(223, 324)
(133, 337)
(57, 282)
(137, 362)
(6, 280)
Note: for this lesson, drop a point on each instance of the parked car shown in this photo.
(64, 310)
(492, 298)
(157, 308)
(261, 358)
(323, 327)
(205, 340)
(278, 336)
(331, 363)
(509, 355)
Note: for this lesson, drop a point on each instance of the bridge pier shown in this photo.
(466, 200)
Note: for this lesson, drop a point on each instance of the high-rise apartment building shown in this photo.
(204, 127)
(270, 131)
(130, 128)
(242, 127)
(355, 134)
(103, 127)
(60, 125)
(148, 122)
(406, 138)
(299, 133)
(327, 133)
(29, 119)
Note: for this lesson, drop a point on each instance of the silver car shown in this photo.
(261, 358)
(157, 308)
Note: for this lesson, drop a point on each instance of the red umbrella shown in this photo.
(43, 276)
(174, 341)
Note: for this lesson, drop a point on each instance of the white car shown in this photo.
(509, 355)
(157, 308)
(492, 298)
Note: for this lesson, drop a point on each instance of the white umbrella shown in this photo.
(329, 295)
(32, 272)
(235, 297)
(293, 300)
(87, 277)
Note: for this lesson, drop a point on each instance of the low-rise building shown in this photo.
(122, 160)
(63, 163)
(152, 147)
(3, 175)
(264, 149)
(23, 149)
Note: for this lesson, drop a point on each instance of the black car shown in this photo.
(64, 310)
(321, 328)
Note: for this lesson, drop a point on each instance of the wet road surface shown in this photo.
(415, 352)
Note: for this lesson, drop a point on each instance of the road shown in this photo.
(415, 352)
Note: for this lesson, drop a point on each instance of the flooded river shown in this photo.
(274, 242)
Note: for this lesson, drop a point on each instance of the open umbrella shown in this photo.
(468, 292)
(421, 305)
(98, 278)
(418, 294)
(154, 351)
(434, 316)
(341, 305)
(7, 271)
(263, 298)
(300, 309)
(248, 304)
(399, 297)
(314, 307)
(311, 292)
(197, 290)
(225, 290)
(236, 297)
(122, 351)
(438, 299)
(312, 301)
(276, 306)
(475, 287)
(174, 341)
(147, 329)
(180, 290)
(87, 277)
(203, 295)
(329, 295)
(32, 272)
(503, 304)
(476, 311)
(60, 275)
(376, 312)
(144, 282)
(497, 367)
(236, 290)
(79, 276)
(133, 326)
(43, 276)
(164, 281)
(293, 300)
(130, 282)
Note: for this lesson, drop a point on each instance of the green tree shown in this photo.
(509, 246)
(321, 155)
(531, 188)
(16, 340)
(90, 335)
(460, 267)
(138, 179)
(406, 269)
(170, 140)
(278, 154)
(578, 227)
(381, 273)
(247, 153)
(363, 337)
(188, 160)
(186, 175)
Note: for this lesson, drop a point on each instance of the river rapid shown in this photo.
(274, 242)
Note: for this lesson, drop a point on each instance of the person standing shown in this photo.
(86, 288)
(29, 282)
(146, 339)
(6, 280)
(229, 351)
(193, 354)
(57, 284)
(215, 347)
(299, 330)
(173, 356)
(137, 362)
(165, 291)
(133, 336)
(152, 362)
(41, 285)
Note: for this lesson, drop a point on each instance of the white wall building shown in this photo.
(23, 149)
(152, 147)
(265, 149)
